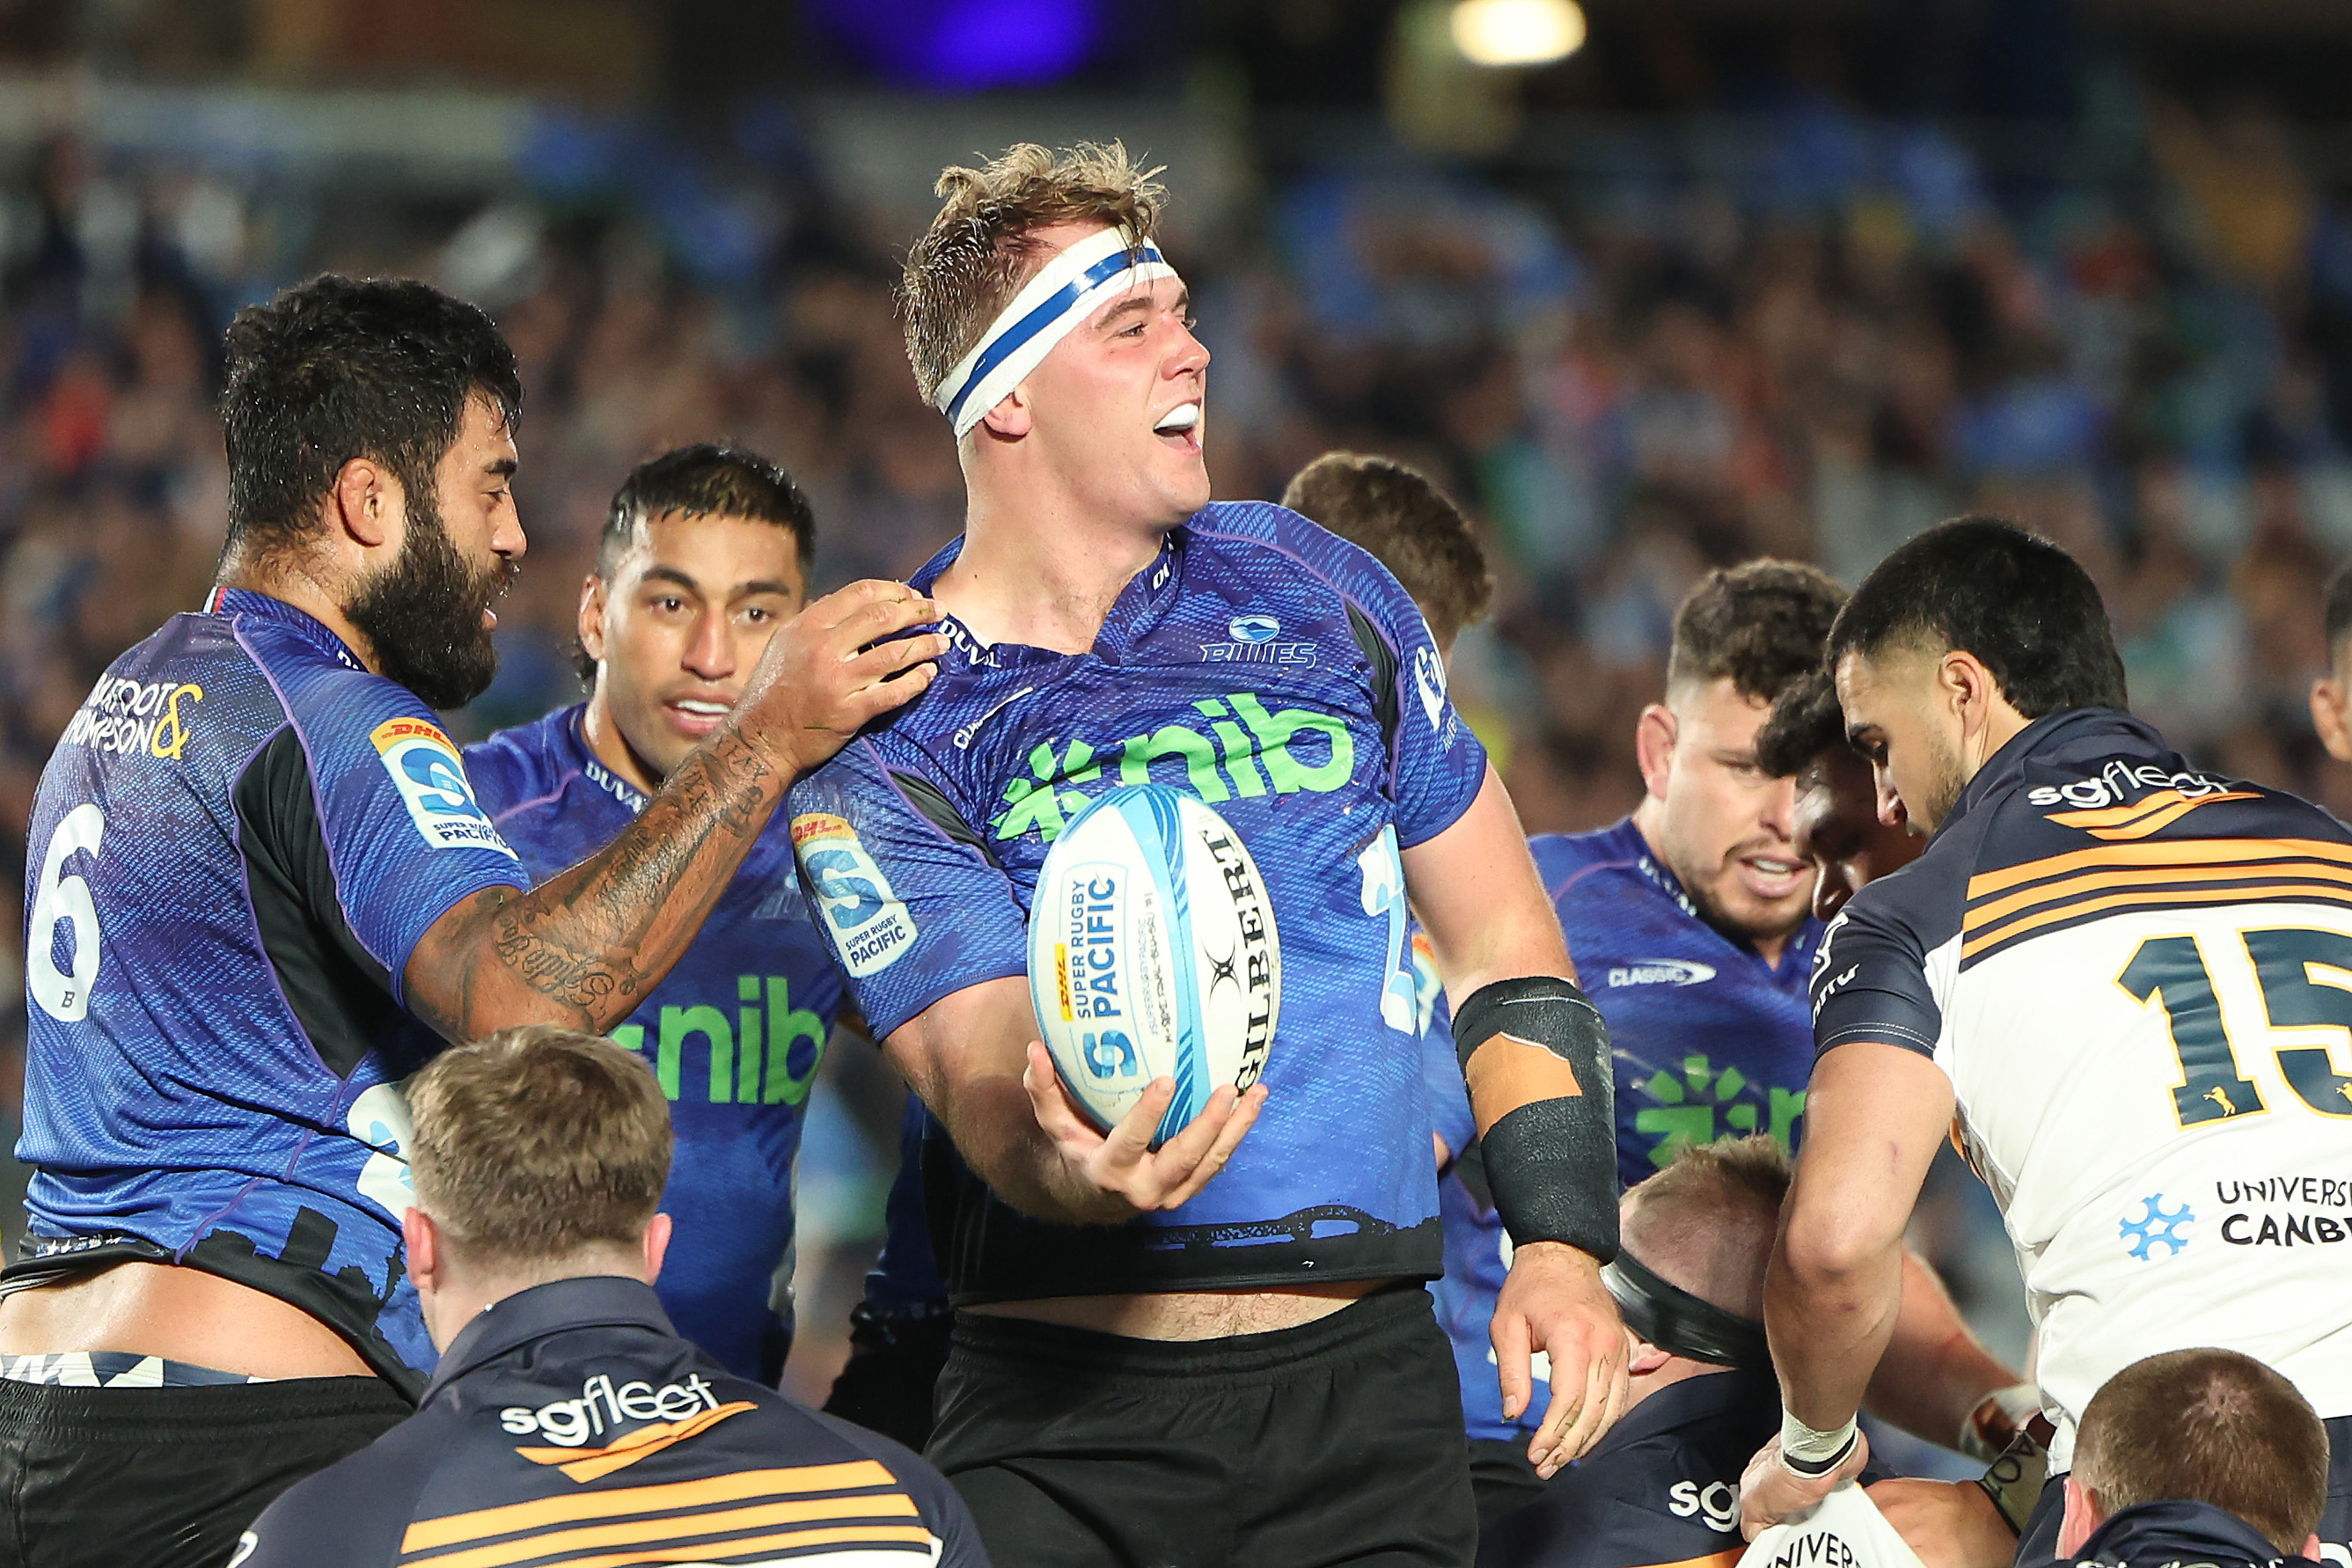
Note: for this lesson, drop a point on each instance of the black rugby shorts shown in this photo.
(1338, 1442)
(103, 1478)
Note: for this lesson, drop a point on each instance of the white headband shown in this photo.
(1066, 291)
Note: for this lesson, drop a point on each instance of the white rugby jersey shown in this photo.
(2138, 978)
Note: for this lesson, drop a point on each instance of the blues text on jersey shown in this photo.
(735, 1033)
(1710, 1041)
(237, 845)
(1281, 676)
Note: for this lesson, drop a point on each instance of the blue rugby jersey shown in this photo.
(236, 847)
(735, 1032)
(1710, 1041)
(1282, 676)
(570, 1424)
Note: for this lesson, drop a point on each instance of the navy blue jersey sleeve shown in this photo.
(914, 914)
(1871, 982)
(404, 832)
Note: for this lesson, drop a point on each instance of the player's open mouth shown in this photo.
(1182, 424)
(697, 716)
(1773, 876)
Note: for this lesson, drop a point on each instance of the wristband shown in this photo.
(1996, 1420)
(1812, 1453)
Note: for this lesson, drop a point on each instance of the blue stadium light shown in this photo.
(962, 45)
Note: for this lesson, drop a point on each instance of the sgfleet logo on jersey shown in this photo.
(1717, 1501)
(126, 716)
(677, 1411)
(1661, 972)
(1247, 751)
(425, 770)
(1253, 643)
(2131, 800)
(871, 928)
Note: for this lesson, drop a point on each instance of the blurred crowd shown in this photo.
(1629, 369)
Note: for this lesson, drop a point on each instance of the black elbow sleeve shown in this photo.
(1552, 1162)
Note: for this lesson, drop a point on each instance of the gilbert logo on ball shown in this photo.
(1152, 952)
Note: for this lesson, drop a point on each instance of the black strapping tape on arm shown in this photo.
(1673, 1320)
(1552, 1163)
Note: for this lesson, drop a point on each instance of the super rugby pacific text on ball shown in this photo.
(1152, 952)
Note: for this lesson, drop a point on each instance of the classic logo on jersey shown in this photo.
(2156, 1225)
(2117, 803)
(1253, 642)
(1247, 751)
(1661, 972)
(126, 716)
(2293, 1224)
(871, 928)
(425, 770)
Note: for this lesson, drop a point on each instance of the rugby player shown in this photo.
(1663, 1487)
(265, 895)
(567, 1416)
(705, 551)
(2116, 969)
(1839, 824)
(1198, 1353)
(1689, 919)
(2331, 694)
(2196, 1455)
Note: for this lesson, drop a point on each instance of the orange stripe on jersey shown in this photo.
(2131, 821)
(585, 1464)
(736, 1487)
(2189, 852)
(676, 1529)
(875, 1535)
(1723, 1559)
(1984, 915)
(2268, 892)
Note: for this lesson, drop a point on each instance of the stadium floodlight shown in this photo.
(1517, 32)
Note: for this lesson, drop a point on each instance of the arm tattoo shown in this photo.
(592, 941)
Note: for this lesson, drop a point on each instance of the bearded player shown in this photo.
(1212, 1351)
(705, 551)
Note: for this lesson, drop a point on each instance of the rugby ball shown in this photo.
(1152, 954)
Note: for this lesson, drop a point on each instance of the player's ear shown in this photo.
(1653, 745)
(362, 504)
(422, 1243)
(2329, 717)
(591, 617)
(1012, 418)
(657, 1245)
(2080, 1522)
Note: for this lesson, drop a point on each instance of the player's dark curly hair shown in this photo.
(2020, 604)
(338, 368)
(1759, 624)
(1805, 722)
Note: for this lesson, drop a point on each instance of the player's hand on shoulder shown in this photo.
(1771, 1493)
(1553, 1300)
(1111, 1177)
(1950, 1524)
(825, 673)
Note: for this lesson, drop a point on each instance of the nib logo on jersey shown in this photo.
(2279, 1211)
(1689, 1104)
(1245, 752)
(793, 1038)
